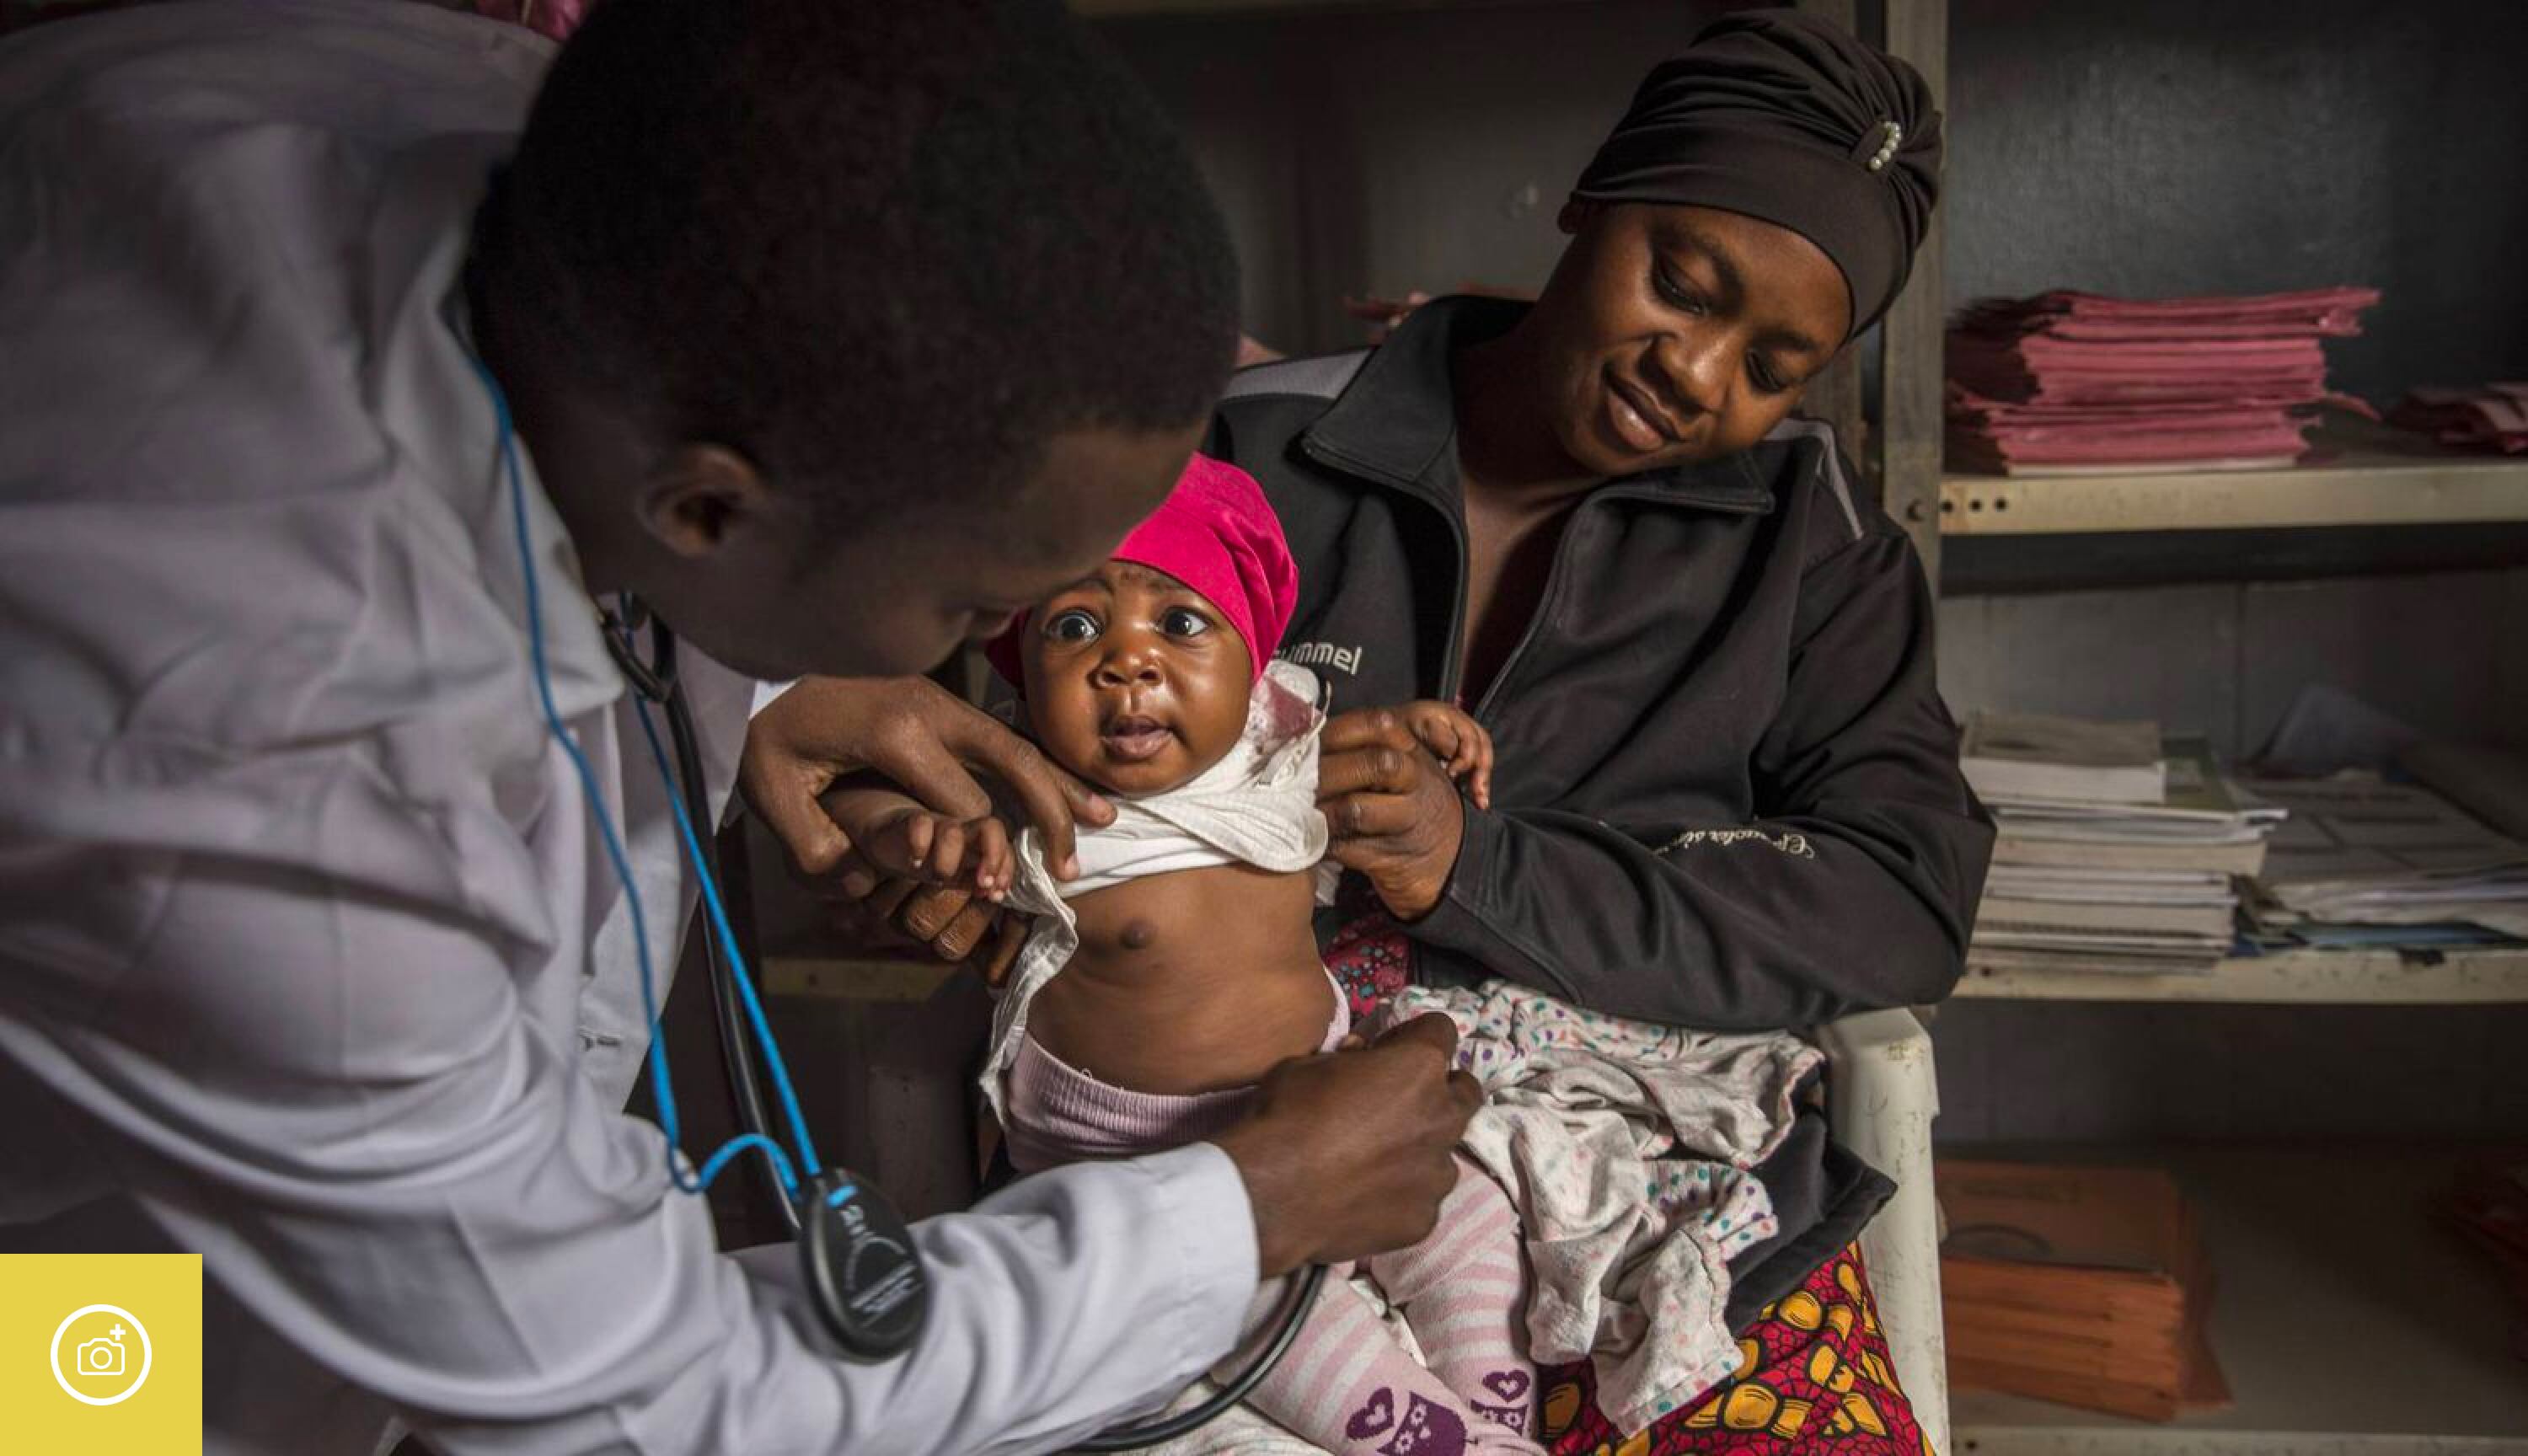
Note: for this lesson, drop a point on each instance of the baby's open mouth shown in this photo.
(1134, 738)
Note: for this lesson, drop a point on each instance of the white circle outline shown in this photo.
(54, 1356)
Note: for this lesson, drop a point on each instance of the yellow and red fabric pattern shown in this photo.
(1814, 1378)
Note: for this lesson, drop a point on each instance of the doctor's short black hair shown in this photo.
(886, 248)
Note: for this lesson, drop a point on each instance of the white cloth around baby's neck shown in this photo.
(1258, 805)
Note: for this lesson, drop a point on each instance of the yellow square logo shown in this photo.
(101, 1353)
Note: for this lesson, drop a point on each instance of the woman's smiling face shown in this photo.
(1134, 681)
(1676, 335)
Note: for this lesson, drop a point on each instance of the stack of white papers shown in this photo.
(2040, 757)
(2362, 851)
(2143, 886)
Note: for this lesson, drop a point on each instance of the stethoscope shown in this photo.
(863, 1272)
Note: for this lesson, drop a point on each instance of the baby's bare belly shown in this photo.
(1188, 982)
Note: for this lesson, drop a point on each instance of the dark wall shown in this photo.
(1384, 149)
(2169, 146)
(2152, 146)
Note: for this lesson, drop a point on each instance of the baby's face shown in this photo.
(1134, 681)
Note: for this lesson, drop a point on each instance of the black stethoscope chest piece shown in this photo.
(864, 1277)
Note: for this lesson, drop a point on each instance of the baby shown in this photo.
(1160, 985)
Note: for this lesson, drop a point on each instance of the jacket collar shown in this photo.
(1397, 422)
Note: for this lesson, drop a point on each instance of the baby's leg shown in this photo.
(1347, 1386)
(1464, 1293)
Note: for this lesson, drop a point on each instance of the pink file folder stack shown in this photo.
(2075, 383)
(2494, 417)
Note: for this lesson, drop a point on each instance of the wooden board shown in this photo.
(2371, 486)
(2328, 977)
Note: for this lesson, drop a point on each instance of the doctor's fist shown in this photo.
(1347, 1154)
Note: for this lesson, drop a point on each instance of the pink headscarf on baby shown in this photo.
(1217, 534)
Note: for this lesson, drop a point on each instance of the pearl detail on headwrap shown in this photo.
(1895, 135)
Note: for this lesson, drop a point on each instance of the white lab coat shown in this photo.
(310, 960)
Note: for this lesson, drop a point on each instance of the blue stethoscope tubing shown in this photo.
(657, 681)
(661, 1086)
(740, 1010)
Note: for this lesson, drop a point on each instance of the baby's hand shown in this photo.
(1458, 741)
(903, 840)
(943, 851)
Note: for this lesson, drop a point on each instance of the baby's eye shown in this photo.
(1073, 625)
(1184, 621)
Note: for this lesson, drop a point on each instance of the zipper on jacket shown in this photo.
(1545, 600)
(1452, 649)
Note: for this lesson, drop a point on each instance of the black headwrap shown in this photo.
(1783, 117)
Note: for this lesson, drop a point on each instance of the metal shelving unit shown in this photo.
(2348, 1321)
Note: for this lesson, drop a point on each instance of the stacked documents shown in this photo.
(2143, 886)
(2038, 757)
(2492, 417)
(2069, 383)
(2083, 1285)
(2360, 854)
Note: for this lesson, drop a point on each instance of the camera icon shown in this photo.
(106, 1369)
(101, 1356)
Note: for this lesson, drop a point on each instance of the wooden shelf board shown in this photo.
(845, 977)
(2347, 1319)
(2325, 977)
(2376, 485)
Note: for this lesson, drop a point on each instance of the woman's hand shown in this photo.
(1393, 814)
(1460, 744)
(908, 730)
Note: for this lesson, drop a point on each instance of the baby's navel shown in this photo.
(1138, 935)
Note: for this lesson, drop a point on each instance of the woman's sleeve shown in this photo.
(1855, 890)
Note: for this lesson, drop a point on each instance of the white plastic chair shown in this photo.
(1881, 1097)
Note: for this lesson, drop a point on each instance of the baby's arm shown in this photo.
(899, 836)
(1461, 743)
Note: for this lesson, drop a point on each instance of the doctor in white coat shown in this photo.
(835, 333)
